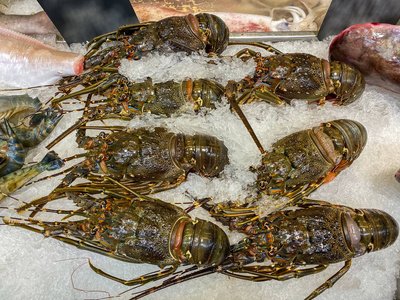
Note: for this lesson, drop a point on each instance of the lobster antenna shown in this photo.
(77, 125)
(175, 280)
(125, 187)
(47, 210)
(266, 47)
(231, 98)
(29, 88)
(63, 172)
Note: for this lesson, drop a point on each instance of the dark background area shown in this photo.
(345, 13)
(81, 20)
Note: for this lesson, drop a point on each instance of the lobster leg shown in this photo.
(136, 281)
(100, 184)
(260, 93)
(236, 217)
(331, 281)
(299, 194)
(78, 171)
(87, 189)
(252, 53)
(265, 273)
(96, 43)
(102, 85)
(231, 94)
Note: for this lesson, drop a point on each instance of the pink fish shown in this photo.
(374, 49)
(26, 62)
(238, 22)
(38, 23)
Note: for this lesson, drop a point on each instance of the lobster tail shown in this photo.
(218, 36)
(354, 137)
(204, 243)
(206, 92)
(206, 154)
(349, 83)
(378, 229)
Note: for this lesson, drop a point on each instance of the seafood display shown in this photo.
(134, 137)
(284, 77)
(147, 230)
(372, 48)
(204, 33)
(277, 79)
(243, 17)
(27, 62)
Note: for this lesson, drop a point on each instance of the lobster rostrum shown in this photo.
(296, 243)
(301, 162)
(282, 78)
(137, 230)
(141, 157)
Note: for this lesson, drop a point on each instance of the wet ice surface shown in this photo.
(32, 267)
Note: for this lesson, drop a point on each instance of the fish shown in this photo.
(13, 181)
(38, 23)
(26, 62)
(374, 49)
(239, 22)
